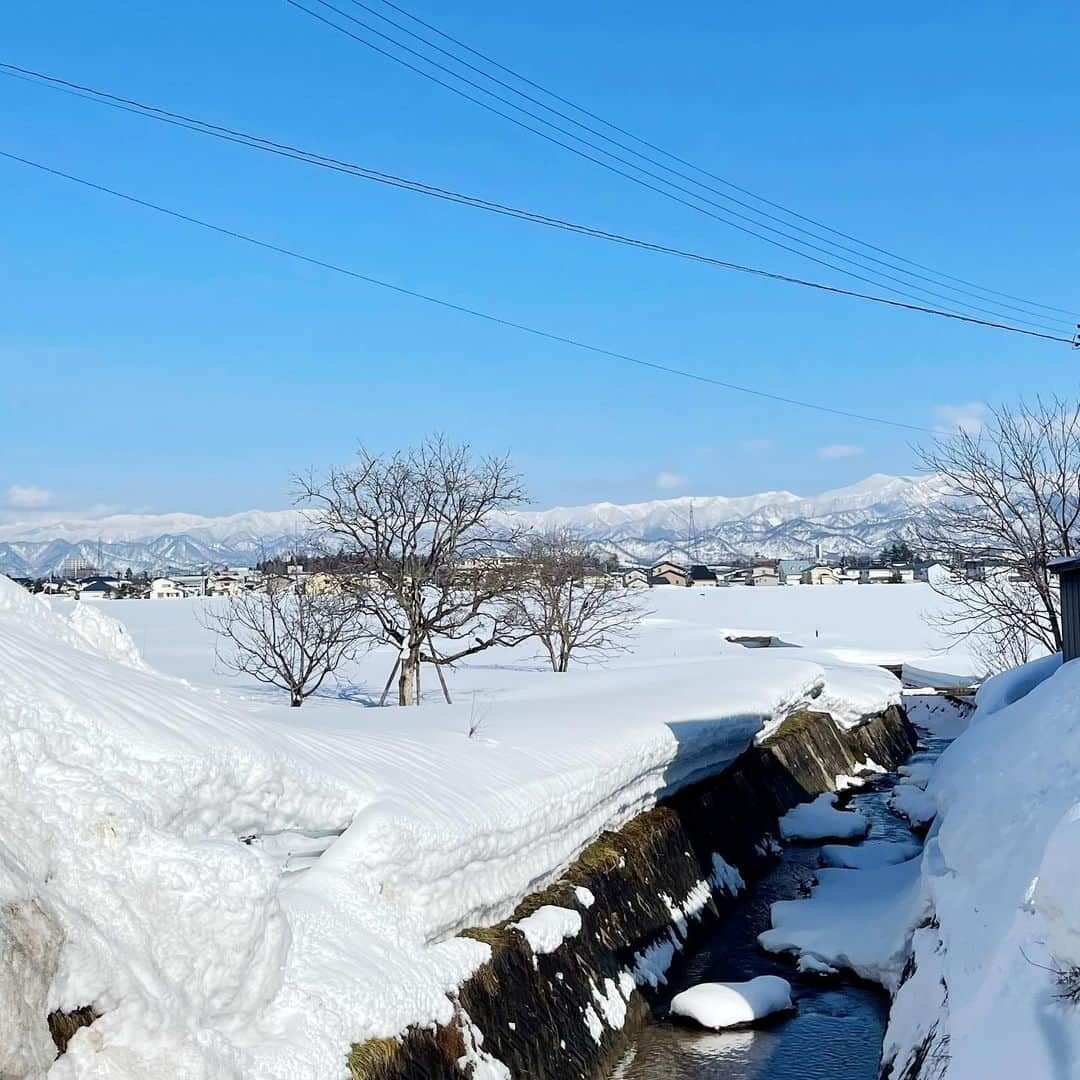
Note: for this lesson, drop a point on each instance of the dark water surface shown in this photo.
(838, 1030)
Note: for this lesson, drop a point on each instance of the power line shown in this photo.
(919, 295)
(660, 164)
(697, 168)
(257, 142)
(598, 161)
(450, 305)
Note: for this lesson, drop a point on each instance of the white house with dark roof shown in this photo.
(99, 588)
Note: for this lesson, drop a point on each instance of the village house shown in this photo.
(667, 573)
(990, 569)
(934, 573)
(192, 584)
(763, 575)
(876, 575)
(791, 570)
(98, 588)
(323, 584)
(597, 576)
(280, 583)
(224, 585)
(636, 577)
(819, 575)
(733, 576)
(1067, 570)
(702, 576)
(165, 589)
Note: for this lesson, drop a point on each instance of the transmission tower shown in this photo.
(692, 539)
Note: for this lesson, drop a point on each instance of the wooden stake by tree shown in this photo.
(567, 600)
(1013, 496)
(292, 640)
(419, 535)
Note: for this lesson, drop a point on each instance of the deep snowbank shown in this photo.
(1001, 886)
(1010, 686)
(986, 922)
(124, 794)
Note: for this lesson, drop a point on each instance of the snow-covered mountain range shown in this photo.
(862, 517)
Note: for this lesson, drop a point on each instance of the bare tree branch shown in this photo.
(1013, 500)
(422, 557)
(286, 638)
(568, 602)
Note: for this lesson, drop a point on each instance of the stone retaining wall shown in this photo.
(565, 1015)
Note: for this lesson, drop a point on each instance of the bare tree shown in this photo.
(1002, 647)
(422, 536)
(1012, 500)
(568, 601)
(286, 638)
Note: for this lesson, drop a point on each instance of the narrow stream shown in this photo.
(840, 1023)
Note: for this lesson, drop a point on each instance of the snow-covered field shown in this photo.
(869, 624)
(128, 782)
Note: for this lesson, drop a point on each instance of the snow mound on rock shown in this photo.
(855, 919)
(549, 926)
(820, 820)
(869, 855)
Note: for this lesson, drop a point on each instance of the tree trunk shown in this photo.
(410, 663)
(296, 699)
(549, 644)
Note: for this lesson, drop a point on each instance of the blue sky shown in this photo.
(152, 366)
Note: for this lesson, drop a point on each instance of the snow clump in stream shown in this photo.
(720, 1005)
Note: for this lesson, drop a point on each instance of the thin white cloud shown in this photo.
(970, 417)
(839, 450)
(29, 497)
(669, 481)
(752, 446)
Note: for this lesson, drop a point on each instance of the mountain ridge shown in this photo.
(857, 518)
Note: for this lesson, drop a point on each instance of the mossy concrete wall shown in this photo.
(534, 1010)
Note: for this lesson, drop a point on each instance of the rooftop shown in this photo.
(1065, 564)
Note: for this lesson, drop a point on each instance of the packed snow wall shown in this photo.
(990, 984)
(572, 968)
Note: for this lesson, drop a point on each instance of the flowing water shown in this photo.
(838, 1029)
